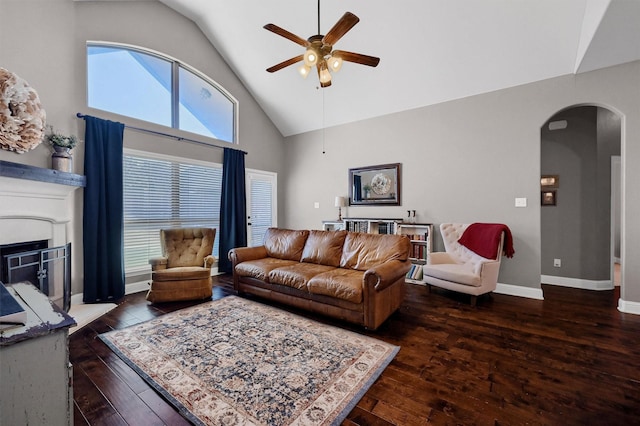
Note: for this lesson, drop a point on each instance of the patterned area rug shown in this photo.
(238, 362)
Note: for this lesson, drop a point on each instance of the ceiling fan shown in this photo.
(319, 51)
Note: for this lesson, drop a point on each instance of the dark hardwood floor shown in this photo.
(572, 359)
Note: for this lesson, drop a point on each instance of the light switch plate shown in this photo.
(316, 205)
(521, 202)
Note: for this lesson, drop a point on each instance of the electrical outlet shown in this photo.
(557, 263)
(521, 202)
(316, 205)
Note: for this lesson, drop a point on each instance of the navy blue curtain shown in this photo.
(103, 211)
(233, 207)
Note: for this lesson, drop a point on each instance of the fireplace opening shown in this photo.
(9, 249)
(49, 269)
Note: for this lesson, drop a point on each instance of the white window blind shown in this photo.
(163, 193)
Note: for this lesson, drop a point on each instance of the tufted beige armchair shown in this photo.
(460, 269)
(184, 270)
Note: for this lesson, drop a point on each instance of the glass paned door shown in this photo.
(261, 205)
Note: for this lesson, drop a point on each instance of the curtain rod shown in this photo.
(180, 138)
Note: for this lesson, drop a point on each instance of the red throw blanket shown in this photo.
(483, 239)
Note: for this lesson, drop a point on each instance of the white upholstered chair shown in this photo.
(460, 269)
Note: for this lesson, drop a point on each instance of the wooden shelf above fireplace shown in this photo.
(25, 171)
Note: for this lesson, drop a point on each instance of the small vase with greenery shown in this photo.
(61, 159)
(367, 190)
(58, 141)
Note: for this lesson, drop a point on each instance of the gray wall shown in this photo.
(467, 160)
(43, 41)
(578, 229)
(609, 136)
(464, 160)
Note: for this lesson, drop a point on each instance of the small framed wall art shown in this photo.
(549, 182)
(548, 198)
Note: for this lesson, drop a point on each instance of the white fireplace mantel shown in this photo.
(35, 203)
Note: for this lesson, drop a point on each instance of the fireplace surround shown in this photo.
(36, 204)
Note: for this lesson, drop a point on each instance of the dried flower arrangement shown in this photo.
(22, 117)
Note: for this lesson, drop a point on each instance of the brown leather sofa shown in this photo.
(351, 276)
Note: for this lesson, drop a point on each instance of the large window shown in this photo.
(149, 86)
(161, 192)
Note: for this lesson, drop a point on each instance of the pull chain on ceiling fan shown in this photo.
(319, 50)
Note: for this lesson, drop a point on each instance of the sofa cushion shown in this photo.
(297, 275)
(181, 273)
(324, 247)
(343, 284)
(362, 251)
(461, 274)
(285, 243)
(260, 268)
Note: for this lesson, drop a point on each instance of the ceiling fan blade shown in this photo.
(286, 63)
(341, 27)
(358, 58)
(286, 34)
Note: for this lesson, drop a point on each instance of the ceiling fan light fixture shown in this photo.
(310, 57)
(335, 63)
(319, 51)
(304, 70)
(324, 75)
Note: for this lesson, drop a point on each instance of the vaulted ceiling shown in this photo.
(431, 51)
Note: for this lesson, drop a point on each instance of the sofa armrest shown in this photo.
(158, 263)
(440, 257)
(209, 261)
(489, 271)
(242, 254)
(383, 275)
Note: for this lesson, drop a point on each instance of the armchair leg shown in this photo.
(429, 287)
(474, 299)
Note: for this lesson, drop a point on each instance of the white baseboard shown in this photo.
(136, 287)
(76, 299)
(516, 290)
(629, 307)
(577, 282)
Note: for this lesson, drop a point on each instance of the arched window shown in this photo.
(150, 86)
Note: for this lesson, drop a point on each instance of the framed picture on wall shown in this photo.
(549, 181)
(375, 185)
(548, 198)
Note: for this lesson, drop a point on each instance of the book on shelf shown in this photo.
(419, 251)
(415, 273)
(12, 314)
(384, 228)
(411, 270)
